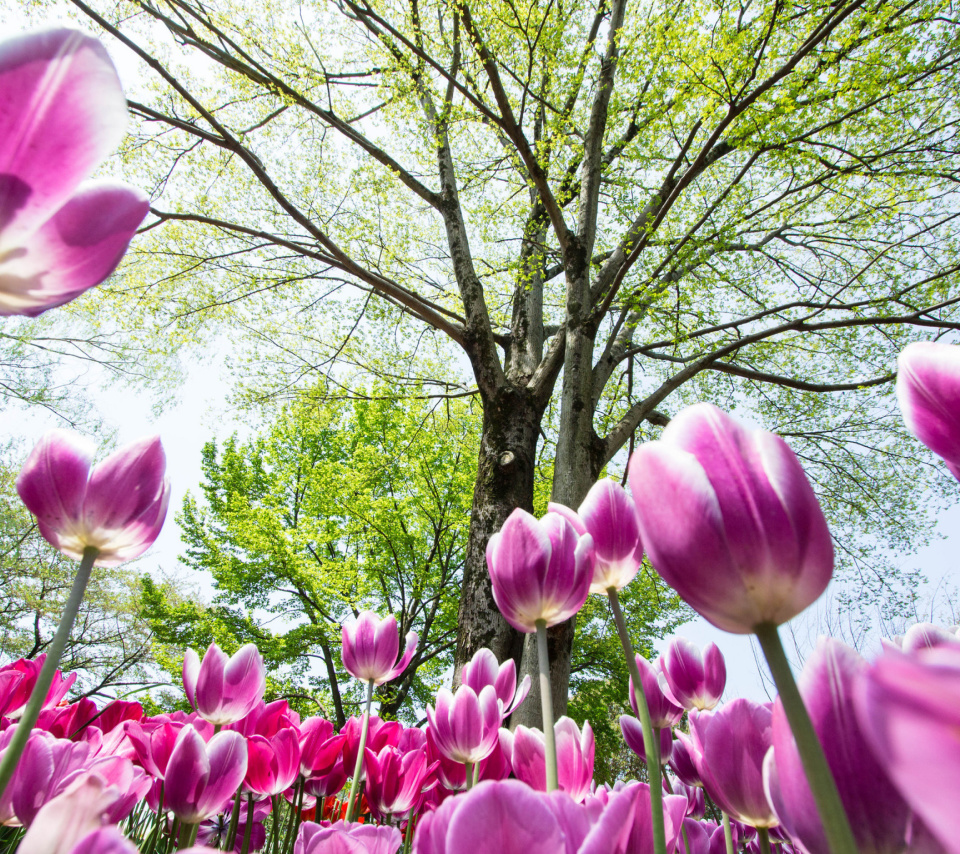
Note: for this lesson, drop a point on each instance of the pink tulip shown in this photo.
(201, 778)
(682, 760)
(928, 390)
(608, 515)
(224, 690)
(695, 679)
(47, 767)
(909, 708)
(266, 719)
(319, 747)
(346, 838)
(18, 678)
(370, 647)
(924, 635)
(664, 713)
(329, 783)
(380, 733)
(117, 507)
(540, 570)
(483, 670)
(575, 752)
(633, 736)
(62, 111)
(730, 521)
(731, 744)
(452, 775)
(878, 814)
(272, 763)
(465, 726)
(395, 780)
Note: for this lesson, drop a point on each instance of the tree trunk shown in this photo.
(508, 445)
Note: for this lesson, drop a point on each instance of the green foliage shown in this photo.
(335, 507)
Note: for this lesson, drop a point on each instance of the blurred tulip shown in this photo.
(370, 647)
(201, 778)
(731, 744)
(465, 727)
(61, 113)
(695, 679)
(923, 635)
(575, 754)
(347, 838)
(878, 814)
(224, 689)
(47, 767)
(730, 521)
(117, 507)
(928, 390)
(909, 708)
(540, 570)
(483, 670)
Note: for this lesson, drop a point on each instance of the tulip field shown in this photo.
(853, 755)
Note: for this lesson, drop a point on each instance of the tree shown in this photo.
(110, 646)
(609, 210)
(332, 509)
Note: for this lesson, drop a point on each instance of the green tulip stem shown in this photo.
(835, 824)
(188, 835)
(468, 773)
(546, 701)
(11, 756)
(728, 833)
(764, 835)
(651, 745)
(248, 827)
(234, 820)
(476, 773)
(355, 783)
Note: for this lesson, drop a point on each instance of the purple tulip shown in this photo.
(370, 647)
(272, 763)
(696, 680)
(633, 735)
(346, 838)
(47, 767)
(483, 670)
(224, 689)
(928, 390)
(118, 506)
(909, 708)
(395, 780)
(452, 775)
(697, 834)
(664, 713)
(640, 840)
(465, 726)
(61, 112)
(730, 521)
(540, 570)
(609, 516)
(878, 815)
(201, 778)
(575, 752)
(682, 760)
(731, 744)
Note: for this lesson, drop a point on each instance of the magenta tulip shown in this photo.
(201, 778)
(319, 747)
(266, 719)
(608, 515)
(117, 507)
(730, 521)
(909, 708)
(633, 735)
(346, 838)
(928, 390)
(682, 760)
(452, 775)
(272, 763)
(370, 647)
(540, 570)
(640, 840)
(61, 112)
(395, 780)
(18, 678)
(380, 733)
(878, 814)
(48, 766)
(731, 744)
(575, 753)
(465, 726)
(664, 713)
(483, 670)
(224, 689)
(696, 679)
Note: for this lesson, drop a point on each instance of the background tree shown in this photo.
(747, 203)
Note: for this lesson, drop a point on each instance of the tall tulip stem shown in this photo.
(358, 767)
(11, 756)
(728, 834)
(546, 701)
(822, 785)
(651, 745)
